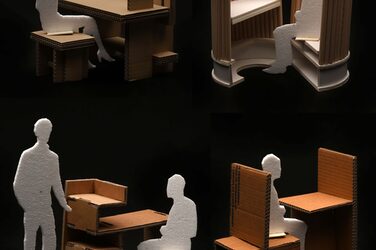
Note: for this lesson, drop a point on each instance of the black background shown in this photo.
(140, 133)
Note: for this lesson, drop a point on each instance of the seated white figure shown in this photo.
(307, 27)
(182, 220)
(279, 224)
(52, 21)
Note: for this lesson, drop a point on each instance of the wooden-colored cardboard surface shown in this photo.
(62, 42)
(284, 243)
(95, 199)
(131, 221)
(250, 205)
(314, 202)
(84, 246)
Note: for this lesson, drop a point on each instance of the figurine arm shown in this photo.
(58, 189)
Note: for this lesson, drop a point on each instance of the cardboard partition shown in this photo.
(250, 205)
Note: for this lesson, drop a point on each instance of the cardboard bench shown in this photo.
(68, 55)
(250, 213)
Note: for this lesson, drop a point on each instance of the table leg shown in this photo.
(43, 53)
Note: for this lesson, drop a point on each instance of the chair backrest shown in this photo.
(337, 174)
(335, 29)
(250, 205)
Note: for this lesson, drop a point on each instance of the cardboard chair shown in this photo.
(331, 212)
(250, 211)
(68, 55)
(86, 228)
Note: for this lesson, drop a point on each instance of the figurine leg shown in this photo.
(31, 227)
(48, 231)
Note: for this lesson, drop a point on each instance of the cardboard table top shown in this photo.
(314, 202)
(111, 9)
(131, 221)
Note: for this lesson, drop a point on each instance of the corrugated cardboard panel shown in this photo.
(80, 186)
(131, 221)
(336, 173)
(314, 202)
(288, 242)
(250, 204)
(110, 190)
(64, 42)
(84, 216)
(221, 29)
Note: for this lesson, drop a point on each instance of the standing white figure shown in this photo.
(307, 27)
(38, 173)
(181, 225)
(279, 224)
(53, 22)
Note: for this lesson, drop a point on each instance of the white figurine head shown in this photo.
(175, 186)
(272, 164)
(42, 130)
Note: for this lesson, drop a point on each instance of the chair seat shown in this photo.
(63, 42)
(284, 243)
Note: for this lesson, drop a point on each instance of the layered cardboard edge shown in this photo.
(78, 44)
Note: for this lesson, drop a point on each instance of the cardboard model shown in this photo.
(316, 43)
(278, 223)
(182, 220)
(56, 24)
(331, 212)
(38, 173)
(86, 227)
(307, 27)
(141, 32)
(250, 213)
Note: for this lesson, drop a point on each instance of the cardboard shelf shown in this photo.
(97, 200)
(131, 221)
(314, 202)
(245, 9)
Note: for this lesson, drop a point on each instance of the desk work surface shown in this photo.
(131, 221)
(314, 202)
(244, 9)
(96, 199)
(116, 8)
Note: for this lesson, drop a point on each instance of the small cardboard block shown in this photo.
(140, 4)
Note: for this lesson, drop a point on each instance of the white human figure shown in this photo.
(279, 224)
(181, 225)
(307, 27)
(52, 21)
(38, 173)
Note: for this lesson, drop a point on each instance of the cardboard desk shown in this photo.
(143, 32)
